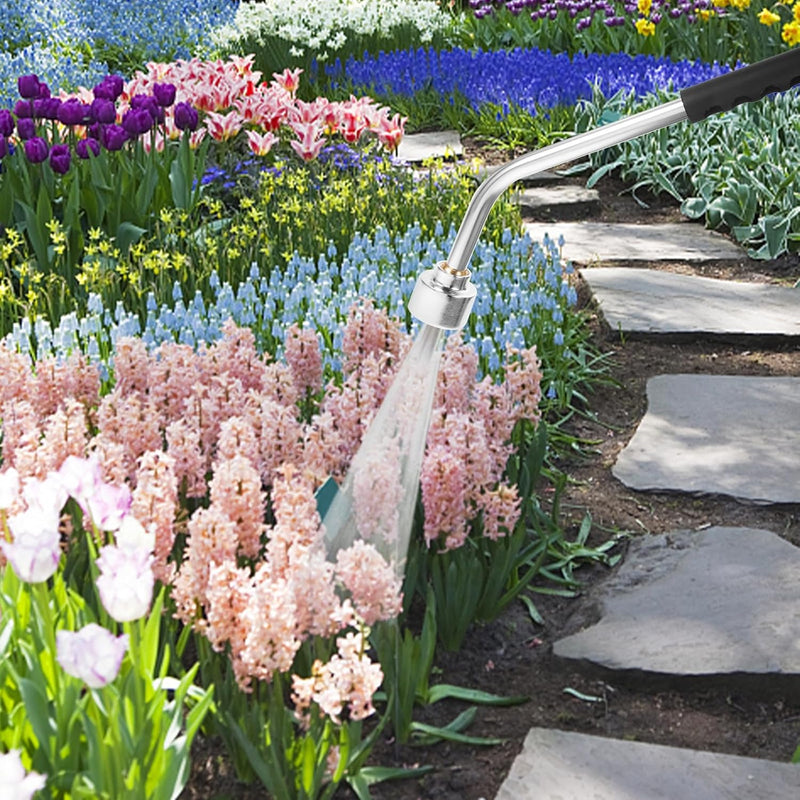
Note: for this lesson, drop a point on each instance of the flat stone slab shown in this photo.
(557, 765)
(416, 147)
(589, 242)
(655, 301)
(560, 200)
(715, 602)
(718, 434)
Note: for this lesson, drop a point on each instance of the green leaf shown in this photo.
(442, 691)
(128, 234)
(431, 733)
(589, 698)
(533, 612)
(372, 775)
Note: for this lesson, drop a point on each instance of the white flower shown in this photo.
(93, 654)
(14, 783)
(9, 487)
(126, 581)
(35, 550)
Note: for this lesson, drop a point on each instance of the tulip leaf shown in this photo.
(128, 234)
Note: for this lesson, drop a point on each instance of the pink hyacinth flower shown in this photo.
(126, 581)
(261, 143)
(308, 146)
(35, 550)
(92, 654)
(14, 783)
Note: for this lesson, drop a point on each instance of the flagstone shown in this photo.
(710, 603)
(734, 435)
(560, 200)
(560, 765)
(590, 242)
(648, 301)
(416, 147)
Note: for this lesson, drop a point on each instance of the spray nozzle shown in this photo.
(443, 297)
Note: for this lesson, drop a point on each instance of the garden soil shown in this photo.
(513, 655)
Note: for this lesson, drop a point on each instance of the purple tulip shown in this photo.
(44, 90)
(104, 90)
(87, 146)
(36, 150)
(46, 107)
(23, 108)
(137, 121)
(6, 122)
(164, 94)
(103, 110)
(73, 112)
(28, 86)
(60, 158)
(116, 83)
(148, 103)
(186, 117)
(26, 128)
(112, 137)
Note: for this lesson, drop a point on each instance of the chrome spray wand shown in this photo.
(443, 296)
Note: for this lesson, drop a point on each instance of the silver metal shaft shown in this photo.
(547, 158)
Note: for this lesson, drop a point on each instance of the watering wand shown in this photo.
(443, 296)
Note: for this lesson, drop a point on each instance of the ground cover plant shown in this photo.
(742, 185)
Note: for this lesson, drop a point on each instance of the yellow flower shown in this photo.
(645, 27)
(791, 33)
(726, 3)
(796, 12)
(767, 17)
(741, 5)
(705, 14)
(644, 7)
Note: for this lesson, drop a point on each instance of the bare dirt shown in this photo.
(513, 655)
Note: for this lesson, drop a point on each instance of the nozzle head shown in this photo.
(443, 297)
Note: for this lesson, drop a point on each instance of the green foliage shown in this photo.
(129, 739)
(731, 171)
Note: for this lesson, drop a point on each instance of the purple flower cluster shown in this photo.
(527, 78)
(614, 13)
(36, 108)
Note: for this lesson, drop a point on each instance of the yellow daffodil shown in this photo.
(767, 17)
(791, 33)
(644, 7)
(645, 27)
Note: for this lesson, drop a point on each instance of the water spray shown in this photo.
(385, 471)
(443, 296)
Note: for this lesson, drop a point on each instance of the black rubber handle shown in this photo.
(774, 74)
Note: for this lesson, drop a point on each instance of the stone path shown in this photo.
(686, 606)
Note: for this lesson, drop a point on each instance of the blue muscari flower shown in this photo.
(551, 391)
(558, 337)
